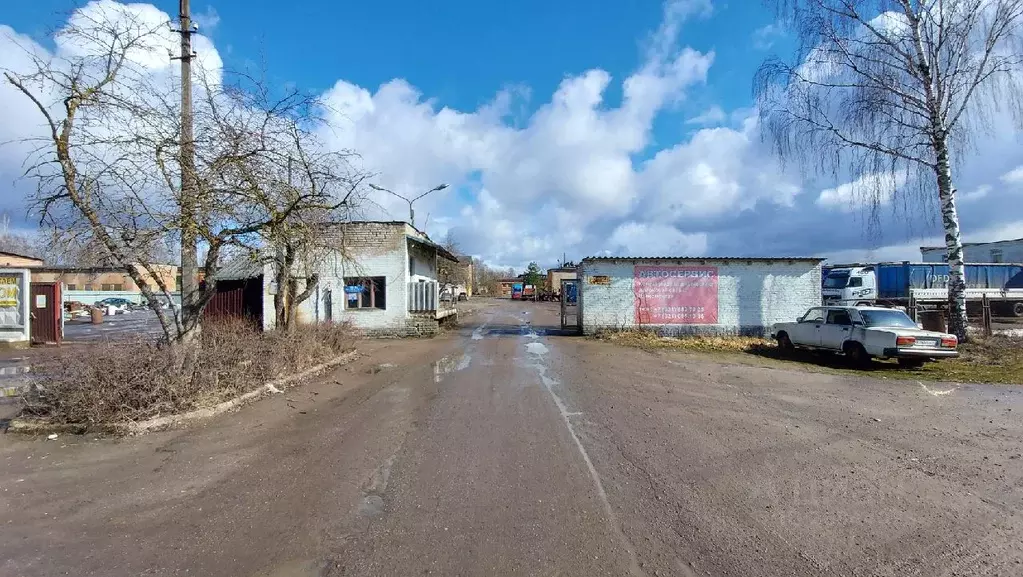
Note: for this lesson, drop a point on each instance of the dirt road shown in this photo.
(506, 449)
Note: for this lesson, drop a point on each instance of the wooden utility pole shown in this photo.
(189, 188)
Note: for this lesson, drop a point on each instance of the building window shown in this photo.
(996, 255)
(373, 293)
(411, 265)
(72, 287)
(90, 287)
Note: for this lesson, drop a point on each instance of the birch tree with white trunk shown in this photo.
(893, 94)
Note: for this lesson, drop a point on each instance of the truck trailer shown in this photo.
(924, 285)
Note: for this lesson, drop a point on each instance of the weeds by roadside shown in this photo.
(132, 381)
(997, 359)
(652, 340)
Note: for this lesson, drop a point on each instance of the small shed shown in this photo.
(243, 292)
(686, 295)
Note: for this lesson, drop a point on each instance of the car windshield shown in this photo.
(877, 318)
(836, 280)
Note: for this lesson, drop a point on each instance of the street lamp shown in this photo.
(411, 213)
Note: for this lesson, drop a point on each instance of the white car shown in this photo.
(863, 333)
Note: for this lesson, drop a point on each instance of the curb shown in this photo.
(38, 426)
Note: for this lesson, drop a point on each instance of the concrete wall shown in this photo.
(750, 297)
(423, 261)
(14, 314)
(555, 276)
(1012, 251)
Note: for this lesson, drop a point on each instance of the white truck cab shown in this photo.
(850, 286)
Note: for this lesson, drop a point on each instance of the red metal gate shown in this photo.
(227, 304)
(46, 313)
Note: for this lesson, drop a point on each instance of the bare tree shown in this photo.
(892, 93)
(453, 273)
(108, 167)
(16, 243)
(328, 188)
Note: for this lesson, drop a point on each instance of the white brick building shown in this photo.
(381, 277)
(979, 252)
(696, 295)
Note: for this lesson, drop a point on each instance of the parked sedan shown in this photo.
(863, 333)
(118, 303)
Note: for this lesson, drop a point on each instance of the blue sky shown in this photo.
(522, 108)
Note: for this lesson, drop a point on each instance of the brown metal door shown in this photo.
(45, 310)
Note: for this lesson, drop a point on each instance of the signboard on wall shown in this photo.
(10, 301)
(676, 295)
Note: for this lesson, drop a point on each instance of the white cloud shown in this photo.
(975, 194)
(643, 239)
(207, 20)
(867, 190)
(765, 36)
(719, 171)
(1014, 176)
(713, 115)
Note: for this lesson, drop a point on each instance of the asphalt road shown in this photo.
(507, 449)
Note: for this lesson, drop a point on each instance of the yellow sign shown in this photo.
(600, 279)
(9, 292)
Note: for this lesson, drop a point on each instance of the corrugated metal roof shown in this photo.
(239, 269)
(695, 258)
(440, 250)
(14, 254)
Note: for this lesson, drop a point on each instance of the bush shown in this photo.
(131, 381)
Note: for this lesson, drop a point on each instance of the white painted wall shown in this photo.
(391, 265)
(1012, 251)
(751, 297)
(423, 262)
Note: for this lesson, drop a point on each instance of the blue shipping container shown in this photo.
(895, 279)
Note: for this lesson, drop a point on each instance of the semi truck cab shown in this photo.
(850, 286)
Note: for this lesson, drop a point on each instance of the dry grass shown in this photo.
(130, 381)
(996, 359)
(652, 340)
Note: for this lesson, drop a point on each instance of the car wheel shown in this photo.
(911, 363)
(857, 354)
(1017, 309)
(785, 343)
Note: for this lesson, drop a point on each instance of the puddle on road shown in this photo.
(449, 365)
(371, 506)
(536, 348)
(10, 371)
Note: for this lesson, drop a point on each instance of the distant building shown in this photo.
(979, 252)
(380, 276)
(506, 286)
(552, 283)
(14, 260)
(109, 279)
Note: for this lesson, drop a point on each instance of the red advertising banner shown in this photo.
(676, 295)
